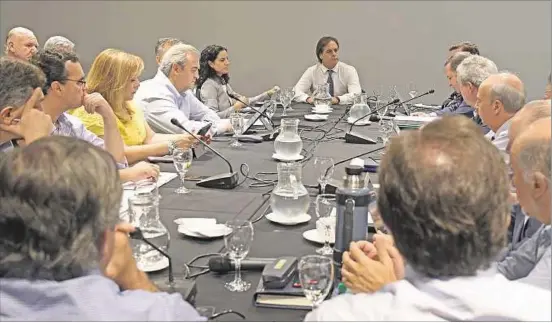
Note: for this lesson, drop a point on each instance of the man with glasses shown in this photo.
(65, 89)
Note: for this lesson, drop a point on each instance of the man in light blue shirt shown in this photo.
(64, 256)
(168, 95)
(530, 160)
(449, 228)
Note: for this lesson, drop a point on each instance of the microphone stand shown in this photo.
(359, 139)
(414, 98)
(224, 181)
(186, 287)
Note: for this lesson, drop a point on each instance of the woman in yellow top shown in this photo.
(114, 74)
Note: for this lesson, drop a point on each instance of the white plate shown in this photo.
(162, 264)
(215, 231)
(322, 111)
(316, 117)
(278, 157)
(363, 122)
(313, 236)
(195, 222)
(288, 221)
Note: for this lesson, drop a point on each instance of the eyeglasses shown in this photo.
(79, 82)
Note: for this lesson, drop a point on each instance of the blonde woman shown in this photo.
(115, 75)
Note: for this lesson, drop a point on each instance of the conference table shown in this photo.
(243, 202)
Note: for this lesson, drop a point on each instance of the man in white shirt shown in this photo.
(448, 217)
(167, 96)
(342, 78)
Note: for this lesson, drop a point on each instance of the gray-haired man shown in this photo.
(63, 255)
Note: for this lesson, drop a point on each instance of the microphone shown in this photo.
(223, 264)
(252, 108)
(332, 185)
(186, 287)
(414, 98)
(225, 181)
(360, 139)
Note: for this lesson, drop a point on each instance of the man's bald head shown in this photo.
(499, 97)
(530, 113)
(21, 43)
(530, 160)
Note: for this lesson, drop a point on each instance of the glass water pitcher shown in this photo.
(360, 108)
(321, 96)
(289, 198)
(288, 144)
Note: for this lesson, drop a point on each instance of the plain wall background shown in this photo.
(273, 42)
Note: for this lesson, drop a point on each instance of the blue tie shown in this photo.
(330, 82)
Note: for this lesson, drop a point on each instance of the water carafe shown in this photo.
(289, 198)
(321, 97)
(144, 213)
(352, 201)
(360, 108)
(288, 144)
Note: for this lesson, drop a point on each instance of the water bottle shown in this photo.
(352, 200)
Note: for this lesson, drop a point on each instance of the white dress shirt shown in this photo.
(488, 296)
(500, 138)
(161, 102)
(345, 79)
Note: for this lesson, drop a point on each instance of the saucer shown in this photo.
(322, 111)
(363, 122)
(161, 264)
(278, 157)
(313, 236)
(195, 222)
(284, 220)
(316, 117)
(215, 231)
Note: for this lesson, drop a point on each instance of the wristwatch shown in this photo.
(172, 146)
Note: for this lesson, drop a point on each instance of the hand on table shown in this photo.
(143, 170)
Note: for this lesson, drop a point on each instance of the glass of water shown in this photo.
(182, 159)
(325, 203)
(325, 168)
(237, 244)
(412, 89)
(236, 120)
(148, 185)
(316, 275)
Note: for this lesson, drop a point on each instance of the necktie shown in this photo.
(330, 82)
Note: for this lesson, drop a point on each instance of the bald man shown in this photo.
(499, 97)
(524, 226)
(530, 160)
(21, 43)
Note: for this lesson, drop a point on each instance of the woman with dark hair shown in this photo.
(213, 88)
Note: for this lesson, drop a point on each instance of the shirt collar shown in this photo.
(325, 69)
(505, 126)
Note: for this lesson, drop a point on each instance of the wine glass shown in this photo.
(182, 159)
(325, 203)
(236, 120)
(237, 243)
(286, 96)
(412, 89)
(325, 168)
(316, 275)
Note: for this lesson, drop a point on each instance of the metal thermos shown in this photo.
(352, 202)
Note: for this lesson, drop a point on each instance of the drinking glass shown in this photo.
(412, 89)
(148, 185)
(237, 243)
(316, 275)
(286, 96)
(236, 119)
(325, 203)
(182, 159)
(325, 168)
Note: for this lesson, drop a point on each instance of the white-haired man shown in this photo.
(59, 44)
(21, 43)
(469, 75)
(167, 96)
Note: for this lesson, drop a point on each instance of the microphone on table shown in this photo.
(226, 180)
(223, 264)
(416, 97)
(186, 287)
(235, 97)
(360, 139)
(332, 185)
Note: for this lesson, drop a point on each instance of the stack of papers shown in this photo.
(413, 121)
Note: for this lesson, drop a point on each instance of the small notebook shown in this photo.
(288, 297)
